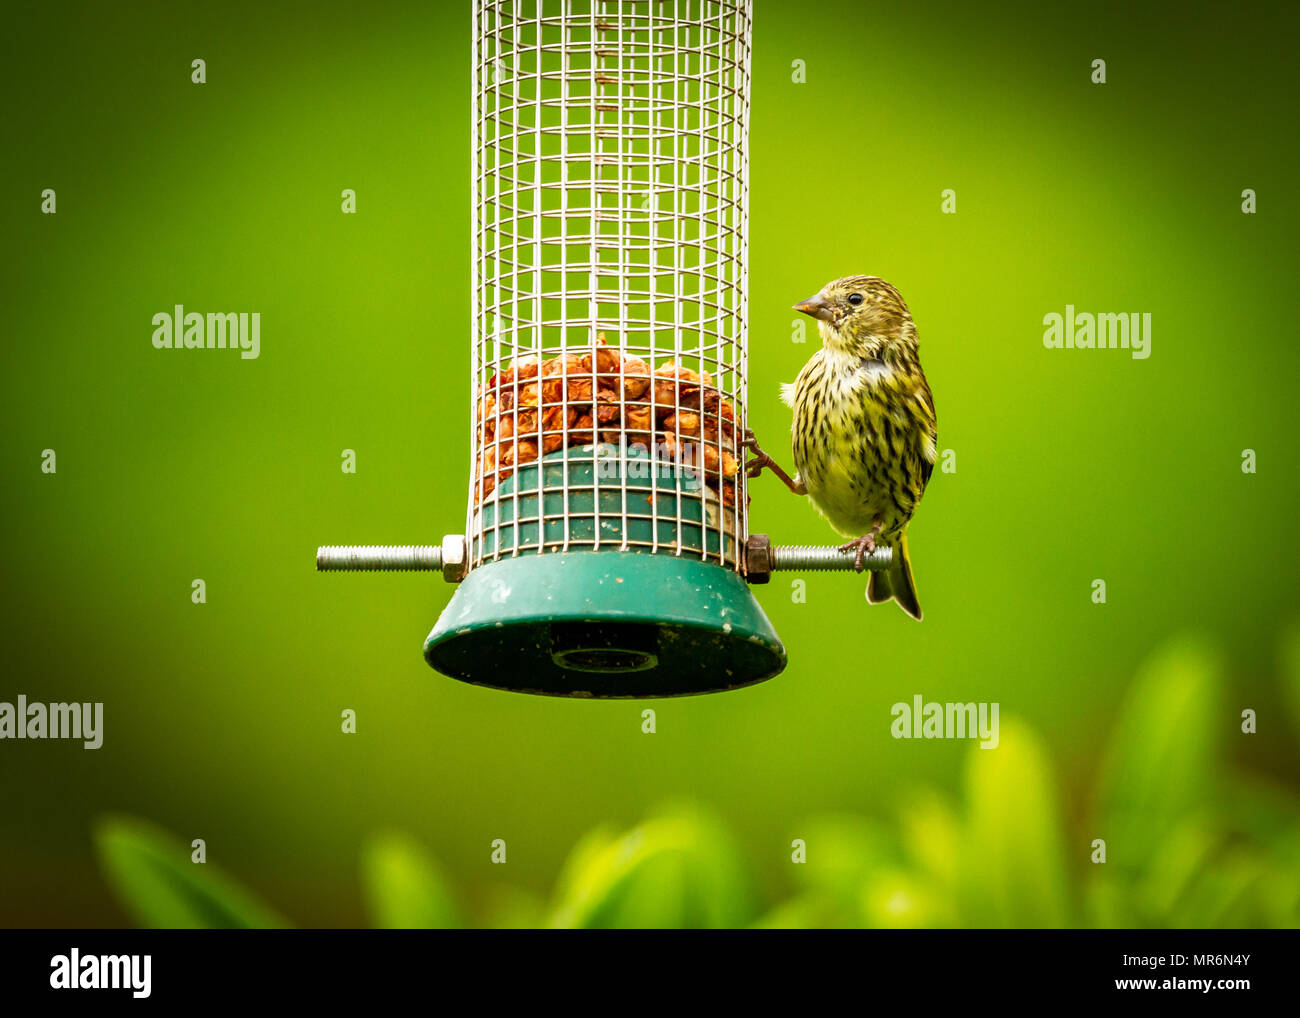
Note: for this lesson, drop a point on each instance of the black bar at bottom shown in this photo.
(1224, 968)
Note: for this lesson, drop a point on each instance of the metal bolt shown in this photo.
(763, 558)
(380, 558)
(817, 558)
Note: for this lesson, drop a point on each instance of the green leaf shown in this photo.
(812, 910)
(677, 870)
(895, 899)
(840, 852)
(580, 873)
(1223, 897)
(932, 835)
(1163, 754)
(1200, 879)
(1175, 867)
(151, 874)
(1013, 864)
(512, 908)
(1266, 813)
(1106, 903)
(1278, 894)
(405, 886)
(1211, 886)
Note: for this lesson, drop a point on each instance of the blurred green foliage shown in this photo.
(1188, 842)
(153, 875)
(405, 886)
(679, 869)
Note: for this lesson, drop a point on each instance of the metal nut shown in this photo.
(758, 558)
(455, 560)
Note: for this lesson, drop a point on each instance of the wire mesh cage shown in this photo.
(606, 550)
(609, 275)
(607, 370)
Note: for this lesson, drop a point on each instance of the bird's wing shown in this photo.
(787, 393)
(929, 429)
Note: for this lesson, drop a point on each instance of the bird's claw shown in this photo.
(754, 467)
(762, 461)
(864, 546)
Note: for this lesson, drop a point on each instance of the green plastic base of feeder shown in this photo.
(605, 624)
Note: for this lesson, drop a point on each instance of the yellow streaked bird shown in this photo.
(864, 432)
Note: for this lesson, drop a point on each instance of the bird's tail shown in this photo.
(896, 583)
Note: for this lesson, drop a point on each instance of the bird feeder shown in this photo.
(606, 550)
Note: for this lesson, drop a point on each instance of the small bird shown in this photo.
(864, 432)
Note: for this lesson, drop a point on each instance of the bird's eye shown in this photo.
(855, 299)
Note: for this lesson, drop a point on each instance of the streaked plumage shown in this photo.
(864, 431)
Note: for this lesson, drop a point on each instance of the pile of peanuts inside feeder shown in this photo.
(574, 399)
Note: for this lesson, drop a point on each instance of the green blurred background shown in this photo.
(222, 719)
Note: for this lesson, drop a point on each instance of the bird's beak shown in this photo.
(817, 306)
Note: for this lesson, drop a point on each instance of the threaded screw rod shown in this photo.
(763, 558)
(449, 558)
(824, 558)
(377, 558)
